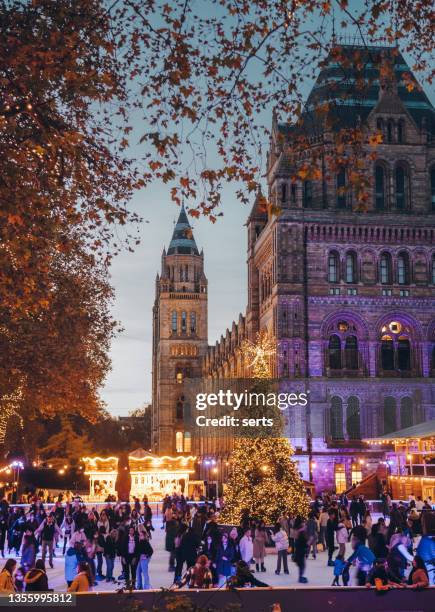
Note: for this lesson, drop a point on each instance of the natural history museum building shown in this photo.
(348, 294)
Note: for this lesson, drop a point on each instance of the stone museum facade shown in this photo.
(348, 292)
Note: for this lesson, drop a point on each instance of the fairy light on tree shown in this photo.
(264, 480)
(9, 406)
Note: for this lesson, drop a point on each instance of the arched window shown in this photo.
(432, 187)
(307, 194)
(380, 125)
(341, 188)
(351, 353)
(386, 269)
(179, 377)
(187, 442)
(433, 269)
(390, 131)
(283, 192)
(174, 321)
(334, 350)
(379, 187)
(179, 410)
(353, 425)
(406, 419)
(179, 442)
(183, 321)
(333, 267)
(389, 415)
(387, 353)
(404, 354)
(192, 322)
(403, 269)
(401, 185)
(401, 131)
(351, 276)
(336, 419)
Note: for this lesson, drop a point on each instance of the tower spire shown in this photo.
(182, 241)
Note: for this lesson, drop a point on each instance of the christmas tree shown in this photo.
(264, 480)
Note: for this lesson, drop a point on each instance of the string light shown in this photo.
(9, 407)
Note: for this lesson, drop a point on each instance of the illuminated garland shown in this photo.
(9, 405)
(264, 480)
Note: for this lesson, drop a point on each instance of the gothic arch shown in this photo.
(344, 315)
(406, 319)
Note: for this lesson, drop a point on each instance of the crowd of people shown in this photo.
(392, 551)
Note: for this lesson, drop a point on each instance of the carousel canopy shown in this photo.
(141, 460)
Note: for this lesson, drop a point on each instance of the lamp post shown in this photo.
(16, 467)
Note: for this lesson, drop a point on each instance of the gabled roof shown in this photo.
(182, 241)
(258, 210)
(351, 90)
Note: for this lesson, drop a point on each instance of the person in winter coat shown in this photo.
(330, 536)
(260, 541)
(48, 530)
(145, 552)
(225, 558)
(188, 551)
(247, 547)
(17, 525)
(380, 577)
(234, 539)
(74, 555)
(354, 511)
(3, 528)
(244, 577)
(128, 551)
(7, 584)
(171, 527)
(36, 578)
(312, 534)
(28, 551)
(342, 536)
(418, 577)
(83, 580)
(67, 528)
(301, 547)
(199, 576)
(280, 538)
(209, 549)
(399, 556)
(364, 558)
(323, 520)
(110, 554)
(99, 551)
(339, 565)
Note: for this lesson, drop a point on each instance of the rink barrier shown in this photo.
(297, 599)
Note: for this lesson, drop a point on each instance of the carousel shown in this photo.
(151, 475)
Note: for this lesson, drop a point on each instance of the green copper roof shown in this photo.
(351, 91)
(182, 241)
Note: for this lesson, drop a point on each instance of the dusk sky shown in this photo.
(133, 276)
(128, 386)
